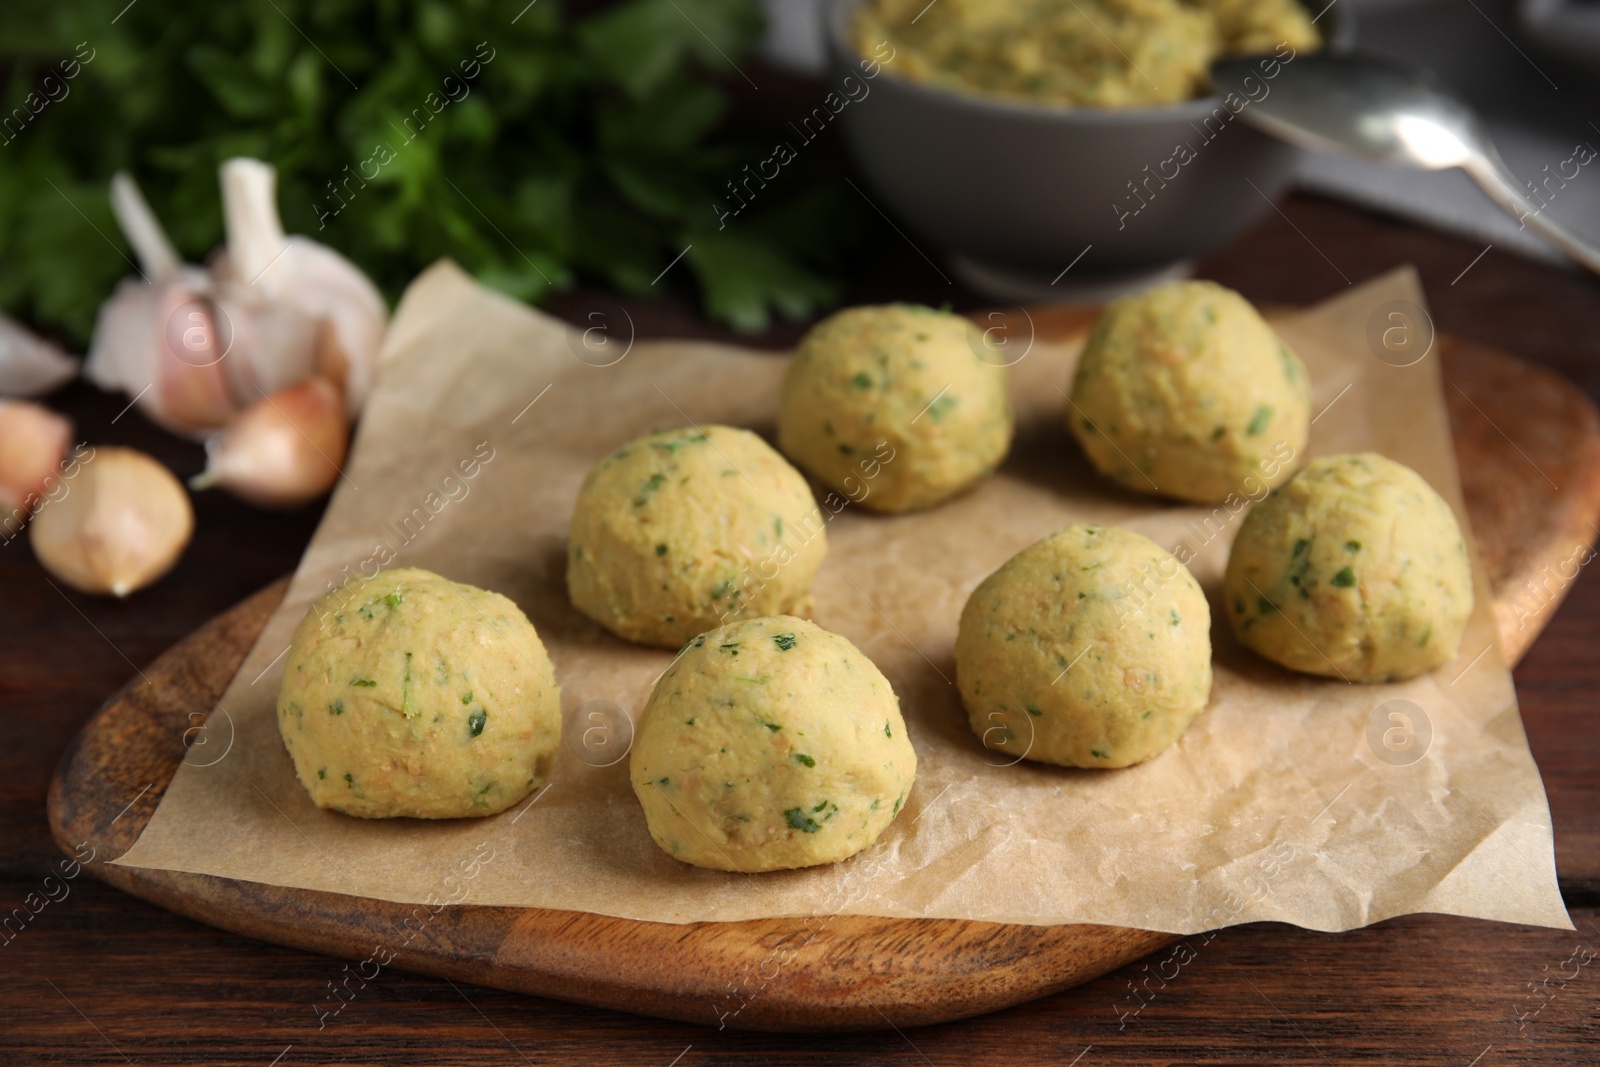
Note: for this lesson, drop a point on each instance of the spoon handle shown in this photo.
(1502, 186)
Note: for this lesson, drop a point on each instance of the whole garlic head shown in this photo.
(122, 523)
(195, 346)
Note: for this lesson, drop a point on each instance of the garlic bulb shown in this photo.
(282, 451)
(30, 365)
(33, 443)
(122, 523)
(196, 346)
(263, 268)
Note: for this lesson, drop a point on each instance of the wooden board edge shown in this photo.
(830, 973)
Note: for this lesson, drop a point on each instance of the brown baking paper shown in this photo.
(1275, 805)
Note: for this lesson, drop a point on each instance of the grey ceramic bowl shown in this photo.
(1026, 188)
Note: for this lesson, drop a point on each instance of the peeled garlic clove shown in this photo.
(122, 523)
(33, 442)
(282, 451)
(30, 365)
(303, 274)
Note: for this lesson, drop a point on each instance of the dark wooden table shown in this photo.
(98, 977)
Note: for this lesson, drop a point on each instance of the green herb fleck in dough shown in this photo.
(1097, 754)
(1264, 605)
(1175, 619)
(1216, 434)
(886, 732)
(688, 722)
(365, 683)
(393, 599)
(656, 481)
(846, 450)
(941, 407)
(1301, 545)
(784, 641)
(466, 698)
(1259, 420)
(799, 820)
(1344, 579)
(408, 703)
(337, 707)
(664, 781)
(349, 780)
(661, 550)
(1352, 546)
(734, 645)
(1034, 711)
(822, 805)
(476, 720)
(801, 757)
(322, 772)
(720, 590)
(862, 380)
(897, 801)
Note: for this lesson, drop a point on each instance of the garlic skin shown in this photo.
(123, 523)
(30, 365)
(282, 451)
(33, 443)
(263, 266)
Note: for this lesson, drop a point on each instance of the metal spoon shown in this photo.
(1389, 113)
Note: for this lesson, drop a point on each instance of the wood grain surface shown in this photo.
(833, 972)
(97, 976)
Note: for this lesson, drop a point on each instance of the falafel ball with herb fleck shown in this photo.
(1185, 391)
(1090, 648)
(769, 744)
(407, 694)
(896, 407)
(1355, 570)
(678, 532)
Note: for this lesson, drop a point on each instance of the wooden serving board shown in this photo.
(1529, 449)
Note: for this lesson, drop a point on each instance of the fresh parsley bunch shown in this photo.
(534, 145)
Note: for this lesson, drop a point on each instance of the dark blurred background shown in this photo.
(555, 147)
